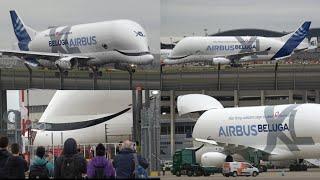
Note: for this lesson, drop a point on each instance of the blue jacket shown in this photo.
(41, 161)
(124, 163)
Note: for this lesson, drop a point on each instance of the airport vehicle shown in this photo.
(239, 169)
(167, 165)
(122, 42)
(184, 162)
(268, 133)
(235, 49)
(87, 116)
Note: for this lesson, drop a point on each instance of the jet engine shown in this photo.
(220, 60)
(215, 159)
(64, 63)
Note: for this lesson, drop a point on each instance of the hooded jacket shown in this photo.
(4, 155)
(100, 161)
(70, 150)
(41, 162)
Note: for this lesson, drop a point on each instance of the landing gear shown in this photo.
(61, 74)
(298, 166)
(229, 158)
(95, 72)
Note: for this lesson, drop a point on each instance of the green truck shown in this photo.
(184, 163)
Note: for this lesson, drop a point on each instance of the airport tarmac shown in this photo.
(47, 79)
(253, 78)
(260, 77)
(310, 174)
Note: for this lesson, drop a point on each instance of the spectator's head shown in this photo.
(126, 145)
(41, 151)
(50, 155)
(70, 147)
(4, 141)
(100, 150)
(15, 148)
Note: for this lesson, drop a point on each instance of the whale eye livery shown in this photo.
(92, 44)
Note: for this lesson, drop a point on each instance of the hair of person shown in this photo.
(4, 141)
(15, 148)
(100, 150)
(126, 144)
(41, 151)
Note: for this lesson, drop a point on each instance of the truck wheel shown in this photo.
(189, 173)
(235, 174)
(254, 174)
(178, 173)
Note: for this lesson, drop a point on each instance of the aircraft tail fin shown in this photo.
(23, 33)
(293, 40)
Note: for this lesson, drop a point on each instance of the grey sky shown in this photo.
(39, 14)
(184, 17)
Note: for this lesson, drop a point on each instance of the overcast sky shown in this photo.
(39, 14)
(184, 17)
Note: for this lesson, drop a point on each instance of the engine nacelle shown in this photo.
(215, 159)
(64, 63)
(221, 60)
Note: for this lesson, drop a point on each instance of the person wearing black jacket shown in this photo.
(4, 155)
(70, 165)
(124, 161)
(16, 166)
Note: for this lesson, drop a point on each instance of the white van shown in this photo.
(239, 169)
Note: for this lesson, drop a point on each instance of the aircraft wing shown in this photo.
(240, 55)
(41, 55)
(232, 147)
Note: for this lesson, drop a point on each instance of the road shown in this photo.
(310, 174)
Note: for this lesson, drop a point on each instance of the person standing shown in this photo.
(70, 165)
(124, 162)
(39, 167)
(99, 167)
(4, 155)
(50, 163)
(16, 166)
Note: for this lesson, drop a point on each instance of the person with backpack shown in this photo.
(70, 165)
(4, 155)
(128, 164)
(16, 166)
(100, 167)
(39, 168)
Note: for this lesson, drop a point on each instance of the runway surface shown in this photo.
(253, 78)
(310, 174)
(47, 79)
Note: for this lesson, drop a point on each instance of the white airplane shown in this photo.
(82, 115)
(122, 42)
(270, 133)
(234, 49)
